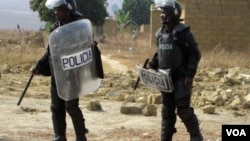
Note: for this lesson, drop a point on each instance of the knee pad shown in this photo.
(185, 113)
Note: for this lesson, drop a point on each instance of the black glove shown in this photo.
(189, 82)
(35, 69)
(152, 65)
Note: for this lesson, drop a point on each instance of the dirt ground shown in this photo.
(31, 121)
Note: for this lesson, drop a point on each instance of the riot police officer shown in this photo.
(178, 51)
(65, 12)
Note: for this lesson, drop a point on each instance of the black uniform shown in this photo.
(60, 106)
(178, 51)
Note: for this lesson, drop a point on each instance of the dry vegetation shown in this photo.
(25, 47)
(21, 47)
(132, 52)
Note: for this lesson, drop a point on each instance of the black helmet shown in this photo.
(173, 7)
(69, 4)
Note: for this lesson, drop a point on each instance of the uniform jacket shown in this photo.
(190, 54)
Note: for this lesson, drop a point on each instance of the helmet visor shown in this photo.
(51, 4)
(165, 3)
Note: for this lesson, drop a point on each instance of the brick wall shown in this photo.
(224, 23)
(109, 28)
(155, 23)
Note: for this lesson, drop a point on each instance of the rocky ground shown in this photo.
(221, 96)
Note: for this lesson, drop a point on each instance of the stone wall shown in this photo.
(109, 28)
(155, 24)
(215, 23)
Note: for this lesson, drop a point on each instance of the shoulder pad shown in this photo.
(158, 32)
(77, 15)
(180, 27)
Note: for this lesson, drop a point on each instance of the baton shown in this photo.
(25, 89)
(138, 79)
(27, 85)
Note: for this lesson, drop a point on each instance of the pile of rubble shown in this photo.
(213, 87)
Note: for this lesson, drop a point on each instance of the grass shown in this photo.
(20, 47)
(130, 52)
(27, 47)
(220, 57)
(127, 51)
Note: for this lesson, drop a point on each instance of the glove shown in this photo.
(189, 82)
(35, 70)
(153, 64)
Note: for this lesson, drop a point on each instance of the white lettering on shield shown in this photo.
(77, 60)
(153, 80)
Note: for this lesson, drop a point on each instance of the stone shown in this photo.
(149, 110)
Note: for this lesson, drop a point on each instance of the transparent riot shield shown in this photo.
(73, 60)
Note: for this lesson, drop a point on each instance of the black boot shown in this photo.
(167, 131)
(168, 123)
(192, 126)
(79, 126)
(58, 138)
(80, 129)
(77, 120)
(58, 116)
(59, 125)
(168, 118)
(191, 122)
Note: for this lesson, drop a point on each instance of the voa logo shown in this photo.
(166, 46)
(236, 132)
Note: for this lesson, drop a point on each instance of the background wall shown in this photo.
(214, 22)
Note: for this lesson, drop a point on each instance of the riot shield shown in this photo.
(73, 60)
(160, 80)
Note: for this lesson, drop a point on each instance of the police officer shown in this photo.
(178, 51)
(65, 12)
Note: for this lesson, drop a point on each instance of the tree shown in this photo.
(139, 10)
(44, 13)
(122, 18)
(94, 10)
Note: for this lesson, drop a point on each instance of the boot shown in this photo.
(78, 122)
(58, 138)
(193, 129)
(192, 126)
(167, 131)
(80, 129)
(58, 115)
(81, 139)
(59, 126)
(190, 120)
(168, 118)
(168, 124)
